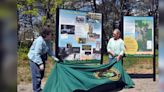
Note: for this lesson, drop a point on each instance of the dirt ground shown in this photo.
(141, 85)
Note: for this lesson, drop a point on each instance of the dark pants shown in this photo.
(37, 75)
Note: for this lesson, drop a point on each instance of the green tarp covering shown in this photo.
(69, 77)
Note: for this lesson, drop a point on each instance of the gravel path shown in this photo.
(141, 85)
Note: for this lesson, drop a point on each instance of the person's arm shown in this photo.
(37, 53)
(122, 48)
(109, 50)
(50, 51)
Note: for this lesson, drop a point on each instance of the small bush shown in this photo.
(22, 53)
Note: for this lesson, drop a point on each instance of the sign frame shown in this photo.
(57, 41)
(153, 56)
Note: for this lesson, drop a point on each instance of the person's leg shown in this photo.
(36, 76)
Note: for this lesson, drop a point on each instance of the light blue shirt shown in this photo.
(38, 48)
(116, 46)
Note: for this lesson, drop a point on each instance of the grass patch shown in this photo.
(105, 59)
(137, 65)
(22, 53)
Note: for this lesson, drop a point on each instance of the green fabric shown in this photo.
(67, 77)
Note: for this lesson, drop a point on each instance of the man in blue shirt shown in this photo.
(38, 55)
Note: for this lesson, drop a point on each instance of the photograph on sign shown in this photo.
(67, 29)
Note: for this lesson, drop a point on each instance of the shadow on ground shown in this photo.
(112, 87)
(138, 76)
(116, 86)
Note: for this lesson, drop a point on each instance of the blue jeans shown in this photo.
(37, 76)
(110, 59)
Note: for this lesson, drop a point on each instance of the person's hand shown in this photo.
(112, 53)
(118, 57)
(56, 59)
(41, 67)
